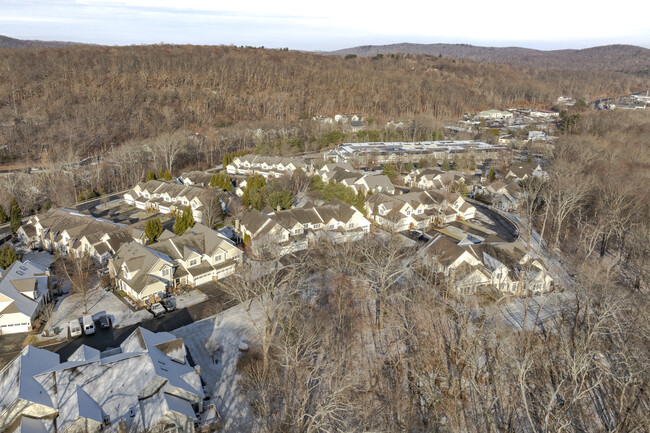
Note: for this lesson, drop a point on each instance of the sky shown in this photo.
(330, 25)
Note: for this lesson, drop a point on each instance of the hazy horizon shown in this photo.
(316, 27)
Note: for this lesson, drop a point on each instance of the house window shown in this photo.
(316, 226)
(165, 272)
(296, 231)
(193, 262)
(332, 226)
(217, 258)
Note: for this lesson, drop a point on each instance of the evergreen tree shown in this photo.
(409, 167)
(7, 256)
(153, 229)
(188, 216)
(184, 221)
(423, 163)
(492, 174)
(16, 216)
(151, 175)
(445, 164)
(282, 198)
(167, 175)
(3, 216)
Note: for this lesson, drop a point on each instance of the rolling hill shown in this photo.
(7, 42)
(619, 58)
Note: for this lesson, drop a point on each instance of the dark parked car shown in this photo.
(169, 304)
(104, 322)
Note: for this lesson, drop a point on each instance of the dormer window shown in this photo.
(193, 262)
(217, 258)
(165, 272)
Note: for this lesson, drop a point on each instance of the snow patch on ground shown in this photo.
(190, 298)
(217, 338)
(99, 301)
(40, 258)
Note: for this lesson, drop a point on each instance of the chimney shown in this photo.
(278, 208)
(237, 224)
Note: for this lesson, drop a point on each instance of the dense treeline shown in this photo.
(92, 98)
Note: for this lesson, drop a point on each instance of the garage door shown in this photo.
(225, 273)
(203, 279)
(14, 329)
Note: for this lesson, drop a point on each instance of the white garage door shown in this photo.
(14, 329)
(225, 273)
(203, 279)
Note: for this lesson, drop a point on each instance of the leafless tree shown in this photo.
(168, 148)
(80, 271)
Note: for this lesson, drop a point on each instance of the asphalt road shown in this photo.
(218, 300)
(505, 229)
(103, 339)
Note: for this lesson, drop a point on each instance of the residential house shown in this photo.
(141, 272)
(267, 166)
(522, 170)
(199, 178)
(200, 255)
(281, 232)
(24, 291)
(487, 266)
(146, 384)
(170, 197)
(504, 196)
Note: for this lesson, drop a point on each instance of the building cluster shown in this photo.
(173, 198)
(196, 257)
(267, 166)
(506, 193)
(344, 174)
(483, 267)
(146, 384)
(71, 232)
(417, 209)
(404, 151)
(285, 231)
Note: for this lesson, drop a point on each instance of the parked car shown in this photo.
(88, 325)
(169, 304)
(157, 309)
(75, 328)
(104, 322)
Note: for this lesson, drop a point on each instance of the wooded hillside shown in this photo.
(89, 98)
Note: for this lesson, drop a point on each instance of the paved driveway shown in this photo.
(10, 346)
(505, 229)
(217, 301)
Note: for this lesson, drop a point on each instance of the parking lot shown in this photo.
(216, 300)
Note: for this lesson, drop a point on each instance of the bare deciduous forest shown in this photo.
(87, 99)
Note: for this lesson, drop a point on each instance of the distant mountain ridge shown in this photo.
(7, 42)
(630, 59)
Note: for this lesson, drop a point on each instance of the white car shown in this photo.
(75, 328)
(157, 309)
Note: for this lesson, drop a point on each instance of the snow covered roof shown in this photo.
(149, 374)
(19, 279)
